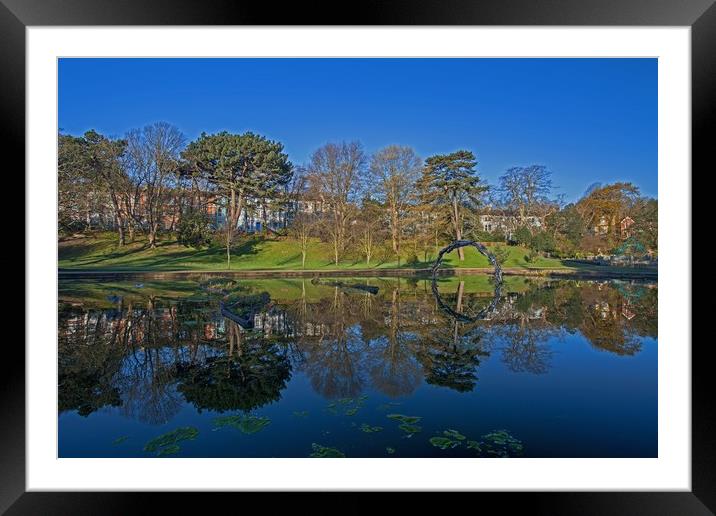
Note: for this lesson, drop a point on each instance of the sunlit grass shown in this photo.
(102, 253)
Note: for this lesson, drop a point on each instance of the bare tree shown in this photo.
(367, 229)
(524, 188)
(395, 170)
(302, 228)
(336, 172)
(154, 154)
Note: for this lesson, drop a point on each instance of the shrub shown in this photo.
(543, 242)
(194, 230)
(501, 254)
(522, 236)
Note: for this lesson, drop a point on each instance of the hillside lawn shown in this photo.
(100, 252)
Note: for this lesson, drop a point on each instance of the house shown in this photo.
(602, 226)
(508, 224)
(257, 215)
(624, 226)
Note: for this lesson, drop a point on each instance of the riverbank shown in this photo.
(280, 257)
(571, 272)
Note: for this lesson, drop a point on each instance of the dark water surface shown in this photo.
(365, 367)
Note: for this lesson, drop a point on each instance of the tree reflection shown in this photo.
(147, 356)
(250, 374)
(332, 347)
(394, 369)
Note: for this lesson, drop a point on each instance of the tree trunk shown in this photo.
(458, 229)
(394, 231)
(120, 230)
(228, 253)
(153, 229)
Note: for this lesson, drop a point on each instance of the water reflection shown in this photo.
(224, 345)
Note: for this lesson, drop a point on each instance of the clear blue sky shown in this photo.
(587, 120)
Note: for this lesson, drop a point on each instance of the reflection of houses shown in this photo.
(508, 310)
(628, 312)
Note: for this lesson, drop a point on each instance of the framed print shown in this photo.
(418, 250)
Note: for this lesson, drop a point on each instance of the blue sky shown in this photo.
(587, 120)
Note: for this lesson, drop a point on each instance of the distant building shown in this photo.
(508, 224)
(602, 226)
(257, 216)
(624, 226)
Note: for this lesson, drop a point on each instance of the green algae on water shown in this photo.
(247, 424)
(325, 452)
(410, 429)
(411, 420)
(370, 429)
(167, 443)
(172, 449)
(474, 445)
(454, 434)
(443, 443)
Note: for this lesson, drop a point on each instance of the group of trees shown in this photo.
(391, 204)
(153, 181)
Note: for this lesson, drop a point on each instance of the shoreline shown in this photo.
(577, 273)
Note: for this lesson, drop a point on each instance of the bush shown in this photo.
(485, 236)
(543, 242)
(194, 230)
(522, 236)
(501, 254)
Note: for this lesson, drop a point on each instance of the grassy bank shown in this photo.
(101, 252)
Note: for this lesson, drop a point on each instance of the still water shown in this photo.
(363, 367)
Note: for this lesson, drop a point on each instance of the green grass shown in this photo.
(102, 253)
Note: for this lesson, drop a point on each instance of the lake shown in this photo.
(208, 366)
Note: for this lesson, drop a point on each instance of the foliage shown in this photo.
(522, 236)
(239, 166)
(543, 242)
(645, 228)
(194, 230)
(451, 185)
(501, 254)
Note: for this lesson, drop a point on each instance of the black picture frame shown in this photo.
(700, 15)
